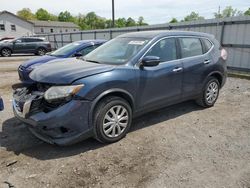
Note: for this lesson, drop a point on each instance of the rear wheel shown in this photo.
(5, 52)
(210, 93)
(41, 51)
(112, 119)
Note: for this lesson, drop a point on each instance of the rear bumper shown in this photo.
(65, 125)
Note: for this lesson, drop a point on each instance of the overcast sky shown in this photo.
(153, 11)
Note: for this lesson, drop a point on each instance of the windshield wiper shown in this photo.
(92, 61)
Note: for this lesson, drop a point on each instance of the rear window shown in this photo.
(190, 47)
(208, 45)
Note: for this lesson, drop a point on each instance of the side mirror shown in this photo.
(77, 54)
(150, 61)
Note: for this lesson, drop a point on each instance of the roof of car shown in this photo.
(162, 33)
(89, 41)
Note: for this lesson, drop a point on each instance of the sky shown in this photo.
(153, 11)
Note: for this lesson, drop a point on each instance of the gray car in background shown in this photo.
(36, 45)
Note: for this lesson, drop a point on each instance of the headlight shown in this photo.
(61, 92)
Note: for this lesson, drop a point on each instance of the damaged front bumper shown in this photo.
(63, 125)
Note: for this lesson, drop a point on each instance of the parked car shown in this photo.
(36, 45)
(130, 75)
(1, 104)
(75, 49)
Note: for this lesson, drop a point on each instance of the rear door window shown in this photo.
(208, 45)
(190, 47)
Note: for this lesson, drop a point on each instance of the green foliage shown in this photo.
(193, 16)
(174, 20)
(228, 12)
(141, 22)
(26, 14)
(130, 22)
(65, 17)
(247, 13)
(42, 14)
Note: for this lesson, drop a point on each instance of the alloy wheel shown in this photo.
(212, 92)
(6, 52)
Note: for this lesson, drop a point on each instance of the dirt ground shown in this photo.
(180, 146)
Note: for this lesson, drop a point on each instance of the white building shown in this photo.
(43, 27)
(12, 26)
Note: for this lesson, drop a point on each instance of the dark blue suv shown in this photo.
(135, 73)
(75, 49)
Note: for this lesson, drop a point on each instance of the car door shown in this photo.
(195, 64)
(31, 44)
(19, 45)
(161, 85)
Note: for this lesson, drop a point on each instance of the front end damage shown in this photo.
(60, 122)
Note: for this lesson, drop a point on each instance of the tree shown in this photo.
(130, 22)
(91, 19)
(228, 12)
(174, 20)
(247, 13)
(193, 16)
(65, 17)
(26, 14)
(141, 22)
(120, 22)
(42, 14)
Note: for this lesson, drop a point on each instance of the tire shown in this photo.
(41, 51)
(106, 125)
(6, 52)
(210, 93)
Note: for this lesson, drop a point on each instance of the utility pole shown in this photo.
(113, 13)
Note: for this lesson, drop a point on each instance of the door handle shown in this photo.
(206, 61)
(178, 69)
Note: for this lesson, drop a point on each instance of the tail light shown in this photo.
(223, 54)
(49, 45)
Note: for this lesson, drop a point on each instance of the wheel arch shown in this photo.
(5, 47)
(112, 92)
(217, 75)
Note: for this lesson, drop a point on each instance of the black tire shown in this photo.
(6, 52)
(41, 51)
(102, 109)
(203, 100)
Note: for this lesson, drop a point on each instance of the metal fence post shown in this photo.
(110, 34)
(70, 35)
(62, 39)
(222, 33)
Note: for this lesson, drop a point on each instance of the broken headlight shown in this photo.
(61, 92)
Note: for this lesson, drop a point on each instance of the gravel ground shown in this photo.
(179, 146)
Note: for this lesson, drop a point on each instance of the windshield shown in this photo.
(117, 51)
(65, 50)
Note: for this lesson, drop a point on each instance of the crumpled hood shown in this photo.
(67, 71)
(42, 59)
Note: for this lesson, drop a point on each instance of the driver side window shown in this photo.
(87, 50)
(164, 49)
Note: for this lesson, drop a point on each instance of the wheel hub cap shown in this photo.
(115, 121)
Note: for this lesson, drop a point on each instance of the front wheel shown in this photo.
(112, 119)
(210, 93)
